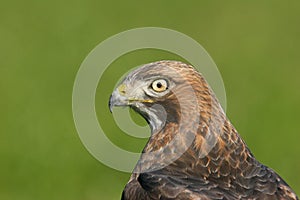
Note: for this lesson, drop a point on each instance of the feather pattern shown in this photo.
(213, 163)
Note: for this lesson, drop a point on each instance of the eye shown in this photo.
(159, 85)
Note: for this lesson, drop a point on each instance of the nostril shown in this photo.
(122, 89)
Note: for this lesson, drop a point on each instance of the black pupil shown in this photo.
(159, 85)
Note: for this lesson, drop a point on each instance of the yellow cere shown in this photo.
(122, 89)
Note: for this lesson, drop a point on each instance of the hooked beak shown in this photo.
(120, 97)
(116, 99)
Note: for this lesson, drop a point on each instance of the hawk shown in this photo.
(194, 152)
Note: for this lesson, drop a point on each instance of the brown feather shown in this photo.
(216, 165)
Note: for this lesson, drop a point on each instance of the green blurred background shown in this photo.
(255, 45)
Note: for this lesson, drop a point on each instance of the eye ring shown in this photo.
(159, 85)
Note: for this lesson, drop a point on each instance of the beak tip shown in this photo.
(110, 104)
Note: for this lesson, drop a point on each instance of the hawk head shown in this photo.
(164, 92)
